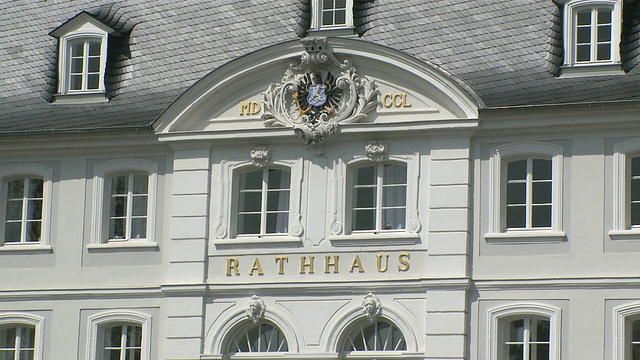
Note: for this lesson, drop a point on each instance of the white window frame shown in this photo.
(524, 310)
(316, 19)
(22, 319)
(623, 152)
(243, 329)
(500, 156)
(598, 67)
(13, 171)
(226, 226)
(97, 322)
(340, 205)
(101, 198)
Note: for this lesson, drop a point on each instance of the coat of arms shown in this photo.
(314, 101)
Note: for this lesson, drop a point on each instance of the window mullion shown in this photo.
(123, 342)
(526, 339)
(379, 182)
(16, 344)
(129, 210)
(594, 35)
(25, 206)
(263, 205)
(529, 194)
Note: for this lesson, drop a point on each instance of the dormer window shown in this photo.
(332, 14)
(592, 31)
(85, 65)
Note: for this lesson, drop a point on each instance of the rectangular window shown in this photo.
(593, 34)
(263, 202)
(122, 342)
(634, 196)
(334, 12)
(525, 339)
(379, 197)
(17, 343)
(85, 59)
(23, 210)
(529, 194)
(128, 206)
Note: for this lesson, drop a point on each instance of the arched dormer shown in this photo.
(367, 87)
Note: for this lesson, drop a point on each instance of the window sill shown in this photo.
(25, 248)
(255, 241)
(526, 237)
(332, 32)
(591, 70)
(375, 239)
(81, 98)
(630, 234)
(123, 245)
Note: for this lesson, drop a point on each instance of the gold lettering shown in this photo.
(388, 97)
(304, 264)
(232, 263)
(404, 101)
(356, 264)
(255, 107)
(328, 263)
(280, 260)
(256, 267)
(386, 262)
(395, 100)
(245, 108)
(404, 261)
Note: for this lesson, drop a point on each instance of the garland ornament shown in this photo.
(313, 101)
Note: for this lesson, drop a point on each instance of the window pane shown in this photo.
(517, 170)
(635, 330)
(635, 214)
(249, 224)
(341, 4)
(251, 180)
(516, 193)
(516, 217)
(539, 351)
(364, 197)
(394, 196)
(133, 354)
(635, 166)
(139, 228)
(27, 334)
(12, 232)
(365, 175)
(278, 179)
(604, 16)
(327, 4)
(364, 219)
(36, 188)
(542, 330)
(278, 201)
(14, 210)
(604, 33)
(340, 17)
(583, 36)
(327, 18)
(118, 206)
(515, 352)
(119, 184)
(34, 210)
(33, 231)
(635, 352)
(277, 223)
(15, 189)
(604, 51)
(94, 65)
(112, 355)
(94, 48)
(116, 229)
(541, 216)
(584, 17)
(76, 66)
(26, 354)
(249, 201)
(542, 192)
(75, 82)
(77, 49)
(140, 184)
(393, 219)
(583, 53)
(140, 205)
(8, 338)
(93, 81)
(395, 174)
(541, 169)
(635, 190)
(516, 330)
(134, 335)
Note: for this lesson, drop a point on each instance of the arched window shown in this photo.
(379, 336)
(263, 337)
(121, 335)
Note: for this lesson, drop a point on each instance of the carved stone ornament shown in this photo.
(317, 94)
(255, 309)
(260, 156)
(377, 151)
(371, 307)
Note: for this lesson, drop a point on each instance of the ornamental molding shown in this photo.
(377, 151)
(317, 94)
(255, 309)
(371, 307)
(260, 156)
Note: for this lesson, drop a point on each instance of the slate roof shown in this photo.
(505, 50)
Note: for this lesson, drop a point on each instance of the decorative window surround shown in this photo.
(623, 316)
(37, 322)
(225, 230)
(623, 153)
(332, 15)
(21, 170)
(600, 61)
(340, 205)
(100, 221)
(497, 315)
(497, 214)
(96, 324)
(88, 69)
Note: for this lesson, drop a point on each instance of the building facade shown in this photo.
(305, 179)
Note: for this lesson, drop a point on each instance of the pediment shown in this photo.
(316, 89)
